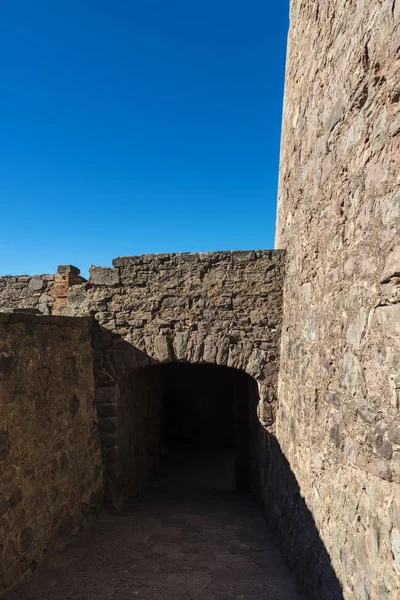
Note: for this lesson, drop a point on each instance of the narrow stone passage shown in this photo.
(190, 536)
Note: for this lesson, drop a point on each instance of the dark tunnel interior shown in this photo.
(207, 415)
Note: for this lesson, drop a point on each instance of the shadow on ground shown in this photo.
(293, 525)
(190, 536)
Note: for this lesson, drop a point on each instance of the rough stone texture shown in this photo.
(190, 536)
(338, 219)
(46, 293)
(128, 401)
(26, 292)
(68, 270)
(222, 308)
(66, 277)
(50, 461)
(219, 307)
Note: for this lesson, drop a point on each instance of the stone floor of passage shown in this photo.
(189, 536)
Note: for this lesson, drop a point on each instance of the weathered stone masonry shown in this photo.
(329, 448)
(219, 307)
(339, 220)
(50, 462)
(45, 293)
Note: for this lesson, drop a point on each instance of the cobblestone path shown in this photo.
(190, 536)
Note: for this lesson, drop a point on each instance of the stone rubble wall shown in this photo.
(220, 307)
(338, 422)
(129, 404)
(51, 479)
(24, 291)
(45, 293)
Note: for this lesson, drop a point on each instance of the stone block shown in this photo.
(68, 270)
(108, 439)
(396, 548)
(108, 409)
(36, 284)
(389, 318)
(173, 301)
(108, 424)
(104, 276)
(392, 265)
(126, 261)
(243, 256)
(106, 394)
(15, 498)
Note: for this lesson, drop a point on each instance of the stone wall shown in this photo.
(27, 292)
(338, 219)
(50, 461)
(220, 307)
(45, 293)
(128, 401)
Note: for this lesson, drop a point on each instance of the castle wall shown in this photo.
(219, 307)
(338, 422)
(50, 461)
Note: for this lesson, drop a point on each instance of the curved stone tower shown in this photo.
(339, 220)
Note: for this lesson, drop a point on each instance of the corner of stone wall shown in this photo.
(66, 277)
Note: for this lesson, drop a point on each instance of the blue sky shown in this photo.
(131, 127)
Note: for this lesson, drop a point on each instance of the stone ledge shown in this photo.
(194, 257)
(39, 319)
(68, 270)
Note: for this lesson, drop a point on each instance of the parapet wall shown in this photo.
(47, 294)
(50, 460)
(339, 220)
(24, 291)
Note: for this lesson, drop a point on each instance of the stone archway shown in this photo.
(190, 411)
(219, 349)
(221, 308)
(129, 403)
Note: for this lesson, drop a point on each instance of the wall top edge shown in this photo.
(240, 255)
(36, 319)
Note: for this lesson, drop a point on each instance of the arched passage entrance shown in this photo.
(193, 417)
(131, 391)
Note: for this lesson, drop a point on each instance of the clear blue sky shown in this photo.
(137, 126)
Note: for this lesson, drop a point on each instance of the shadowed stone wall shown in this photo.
(338, 219)
(129, 407)
(50, 461)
